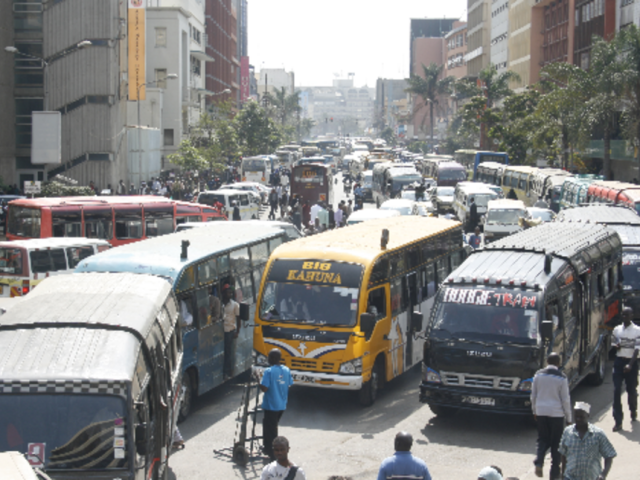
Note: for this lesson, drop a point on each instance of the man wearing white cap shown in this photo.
(490, 473)
(626, 340)
(583, 446)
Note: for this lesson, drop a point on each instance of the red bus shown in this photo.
(312, 182)
(119, 220)
(615, 193)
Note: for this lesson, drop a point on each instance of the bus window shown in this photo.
(43, 261)
(398, 264)
(187, 281)
(240, 261)
(274, 243)
(380, 271)
(11, 260)
(223, 264)
(396, 296)
(207, 272)
(24, 222)
(128, 222)
(259, 254)
(158, 220)
(203, 308)
(522, 185)
(413, 258)
(192, 218)
(456, 260)
(430, 280)
(244, 290)
(66, 222)
(98, 223)
(443, 269)
(76, 254)
(377, 303)
(606, 286)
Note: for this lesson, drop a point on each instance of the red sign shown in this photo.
(35, 454)
(245, 81)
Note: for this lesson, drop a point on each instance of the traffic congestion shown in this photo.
(132, 314)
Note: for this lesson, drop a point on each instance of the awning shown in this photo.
(200, 55)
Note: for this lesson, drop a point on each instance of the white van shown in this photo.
(249, 207)
(25, 263)
(467, 191)
(369, 214)
(503, 218)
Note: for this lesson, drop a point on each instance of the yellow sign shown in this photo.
(137, 55)
(315, 272)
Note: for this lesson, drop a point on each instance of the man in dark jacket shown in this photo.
(236, 212)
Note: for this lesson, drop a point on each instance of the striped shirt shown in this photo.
(584, 455)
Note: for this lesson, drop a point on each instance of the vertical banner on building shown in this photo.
(137, 56)
(245, 80)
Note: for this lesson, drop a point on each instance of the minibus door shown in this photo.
(206, 341)
(412, 291)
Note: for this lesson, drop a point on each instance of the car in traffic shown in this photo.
(246, 201)
(424, 206)
(503, 218)
(260, 190)
(402, 205)
(442, 199)
(367, 179)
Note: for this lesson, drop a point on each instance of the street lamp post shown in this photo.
(170, 76)
(45, 63)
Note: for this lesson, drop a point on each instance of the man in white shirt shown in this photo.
(313, 212)
(282, 468)
(231, 327)
(337, 215)
(626, 340)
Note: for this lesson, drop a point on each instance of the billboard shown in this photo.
(245, 80)
(46, 134)
(136, 31)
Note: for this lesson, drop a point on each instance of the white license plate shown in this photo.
(479, 400)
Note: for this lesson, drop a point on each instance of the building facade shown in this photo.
(390, 103)
(272, 79)
(425, 28)
(222, 45)
(520, 41)
(455, 44)
(499, 34)
(478, 36)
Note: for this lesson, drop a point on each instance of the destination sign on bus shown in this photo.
(489, 298)
(314, 272)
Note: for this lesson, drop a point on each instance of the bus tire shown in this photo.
(369, 391)
(597, 377)
(188, 382)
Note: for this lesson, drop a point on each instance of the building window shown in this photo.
(28, 71)
(27, 16)
(161, 36)
(577, 17)
(195, 66)
(24, 107)
(161, 77)
(196, 35)
(168, 137)
(584, 61)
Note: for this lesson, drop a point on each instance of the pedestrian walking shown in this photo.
(323, 216)
(296, 212)
(282, 467)
(231, 327)
(403, 465)
(236, 211)
(313, 213)
(475, 240)
(551, 407)
(338, 214)
(273, 203)
(583, 446)
(473, 216)
(626, 341)
(275, 384)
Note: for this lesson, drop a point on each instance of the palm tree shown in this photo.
(495, 86)
(285, 105)
(429, 87)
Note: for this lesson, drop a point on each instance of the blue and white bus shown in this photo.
(198, 263)
(474, 158)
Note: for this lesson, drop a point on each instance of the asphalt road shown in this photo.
(330, 434)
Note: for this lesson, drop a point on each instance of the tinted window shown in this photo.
(158, 220)
(24, 222)
(128, 222)
(43, 261)
(98, 223)
(66, 222)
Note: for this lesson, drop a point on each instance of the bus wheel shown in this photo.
(597, 377)
(369, 391)
(185, 407)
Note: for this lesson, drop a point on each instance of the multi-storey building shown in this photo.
(499, 34)
(273, 79)
(519, 44)
(592, 17)
(425, 28)
(478, 36)
(455, 44)
(222, 26)
(388, 102)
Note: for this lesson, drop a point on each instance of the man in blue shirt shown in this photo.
(403, 465)
(275, 386)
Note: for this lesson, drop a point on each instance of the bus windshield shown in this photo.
(482, 199)
(75, 431)
(487, 314)
(253, 165)
(312, 292)
(506, 217)
(631, 270)
(24, 222)
(452, 175)
(309, 174)
(404, 180)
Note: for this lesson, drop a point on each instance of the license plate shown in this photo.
(479, 400)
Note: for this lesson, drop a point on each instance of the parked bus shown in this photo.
(256, 169)
(611, 192)
(198, 263)
(312, 182)
(341, 305)
(390, 178)
(574, 190)
(25, 263)
(626, 222)
(90, 376)
(517, 180)
(551, 288)
(119, 220)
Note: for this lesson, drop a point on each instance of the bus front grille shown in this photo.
(309, 364)
(479, 381)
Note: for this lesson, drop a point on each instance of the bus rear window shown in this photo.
(11, 261)
(24, 222)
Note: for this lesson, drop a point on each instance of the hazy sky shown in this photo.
(320, 40)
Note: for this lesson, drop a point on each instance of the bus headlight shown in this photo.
(260, 360)
(525, 385)
(430, 375)
(352, 366)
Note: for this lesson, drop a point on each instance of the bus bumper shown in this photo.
(515, 403)
(319, 380)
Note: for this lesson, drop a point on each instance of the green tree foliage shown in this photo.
(283, 107)
(188, 156)
(257, 133)
(389, 136)
(58, 189)
(306, 125)
(430, 88)
(627, 42)
(513, 133)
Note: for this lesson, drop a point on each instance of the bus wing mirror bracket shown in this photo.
(141, 439)
(244, 312)
(546, 330)
(417, 319)
(367, 324)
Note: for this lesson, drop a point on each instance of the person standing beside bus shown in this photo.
(275, 386)
(236, 211)
(626, 340)
(231, 327)
(273, 203)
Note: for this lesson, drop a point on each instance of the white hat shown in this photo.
(585, 407)
(489, 473)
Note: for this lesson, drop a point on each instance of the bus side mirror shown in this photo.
(367, 324)
(142, 439)
(244, 312)
(546, 330)
(416, 321)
